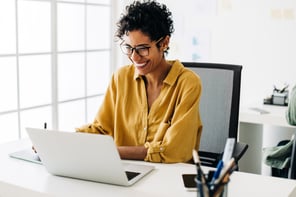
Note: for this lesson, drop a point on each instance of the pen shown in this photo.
(37, 156)
(227, 169)
(33, 148)
(217, 172)
(198, 164)
(284, 88)
(200, 175)
(195, 157)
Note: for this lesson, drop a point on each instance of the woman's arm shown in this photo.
(132, 152)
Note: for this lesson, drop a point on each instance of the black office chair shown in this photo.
(219, 109)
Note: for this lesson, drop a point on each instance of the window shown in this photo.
(54, 63)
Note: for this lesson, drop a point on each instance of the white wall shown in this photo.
(259, 35)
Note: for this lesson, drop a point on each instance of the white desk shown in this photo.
(262, 130)
(21, 178)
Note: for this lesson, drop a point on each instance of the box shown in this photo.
(280, 98)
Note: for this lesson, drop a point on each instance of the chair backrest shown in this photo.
(219, 104)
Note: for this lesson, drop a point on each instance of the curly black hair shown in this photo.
(150, 17)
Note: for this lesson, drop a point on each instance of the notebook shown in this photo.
(86, 156)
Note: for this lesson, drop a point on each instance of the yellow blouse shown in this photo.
(172, 127)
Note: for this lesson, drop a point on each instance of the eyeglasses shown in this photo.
(140, 50)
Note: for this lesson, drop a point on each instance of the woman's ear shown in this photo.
(165, 42)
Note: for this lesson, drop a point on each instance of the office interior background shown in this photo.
(57, 56)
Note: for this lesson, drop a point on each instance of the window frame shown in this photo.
(54, 54)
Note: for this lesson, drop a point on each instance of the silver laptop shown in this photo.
(91, 157)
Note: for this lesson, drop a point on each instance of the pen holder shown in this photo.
(211, 190)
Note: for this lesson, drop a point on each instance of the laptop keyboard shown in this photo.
(130, 175)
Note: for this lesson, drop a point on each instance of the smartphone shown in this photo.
(189, 181)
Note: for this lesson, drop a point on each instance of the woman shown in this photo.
(151, 107)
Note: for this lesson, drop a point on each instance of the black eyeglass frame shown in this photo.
(137, 49)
